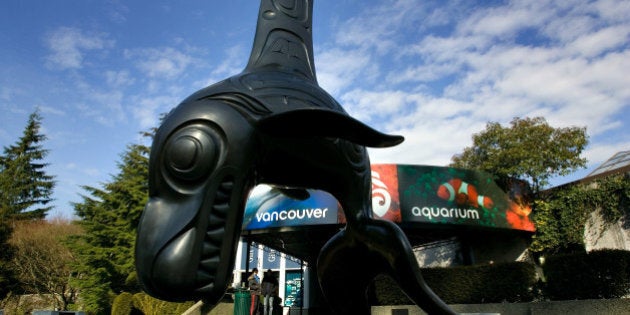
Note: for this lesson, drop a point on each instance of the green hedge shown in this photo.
(123, 304)
(152, 306)
(141, 303)
(602, 274)
(593, 275)
(505, 282)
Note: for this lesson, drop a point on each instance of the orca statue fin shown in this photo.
(325, 123)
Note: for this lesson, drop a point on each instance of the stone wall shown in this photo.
(599, 235)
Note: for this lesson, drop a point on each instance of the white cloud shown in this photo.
(378, 28)
(92, 172)
(505, 21)
(233, 63)
(104, 107)
(364, 105)
(5, 93)
(596, 43)
(599, 153)
(565, 61)
(337, 69)
(117, 12)
(119, 79)
(613, 10)
(423, 73)
(429, 141)
(146, 111)
(68, 47)
(160, 63)
(52, 110)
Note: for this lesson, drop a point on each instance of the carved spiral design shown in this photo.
(294, 9)
(191, 152)
(356, 156)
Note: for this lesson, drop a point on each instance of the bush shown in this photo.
(152, 306)
(385, 291)
(594, 275)
(123, 304)
(503, 282)
(511, 282)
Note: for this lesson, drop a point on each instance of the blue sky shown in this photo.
(434, 71)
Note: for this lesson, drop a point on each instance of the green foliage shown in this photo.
(611, 195)
(562, 215)
(42, 260)
(530, 149)
(560, 221)
(109, 216)
(511, 282)
(601, 274)
(7, 274)
(132, 283)
(15, 304)
(594, 275)
(25, 188)
(123, 304)
(547, 235)
(152, 306)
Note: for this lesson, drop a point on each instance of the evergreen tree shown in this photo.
(7, 274)
(109, 216)
(25, 188)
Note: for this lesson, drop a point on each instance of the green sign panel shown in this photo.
(429, 194)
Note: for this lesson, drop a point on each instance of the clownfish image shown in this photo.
(517, 215)
(463, 194)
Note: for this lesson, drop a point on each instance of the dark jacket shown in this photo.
(269, 285)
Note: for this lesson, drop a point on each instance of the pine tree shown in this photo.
(7, 274)
(109, 216)
(25, 188)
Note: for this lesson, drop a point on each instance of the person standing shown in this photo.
(253, 282)
(269, 290)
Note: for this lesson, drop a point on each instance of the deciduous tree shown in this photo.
(42, 260)
(529, 149)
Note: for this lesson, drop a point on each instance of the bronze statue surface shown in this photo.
(270, 124)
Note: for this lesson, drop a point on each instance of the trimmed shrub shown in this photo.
(123, 304)
(152, 306)
(504, 282)
(595, 275)
(385, 291)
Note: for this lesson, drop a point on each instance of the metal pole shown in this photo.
(249, 246)
(301, 285)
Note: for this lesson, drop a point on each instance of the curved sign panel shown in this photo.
(270, 207)
(404, 193)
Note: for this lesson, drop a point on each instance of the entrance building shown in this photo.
(450, 216)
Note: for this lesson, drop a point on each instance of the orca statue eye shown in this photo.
(191, 152)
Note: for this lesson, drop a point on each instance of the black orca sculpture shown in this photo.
(270, 124)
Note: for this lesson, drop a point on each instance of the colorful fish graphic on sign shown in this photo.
(463, 194)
